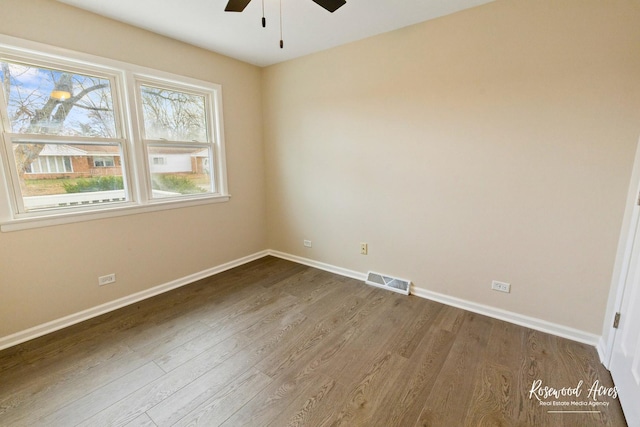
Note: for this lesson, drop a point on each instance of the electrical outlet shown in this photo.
(364, 249)
(307, 243)
(500, 286)
(105, 280)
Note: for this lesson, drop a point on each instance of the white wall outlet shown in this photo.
(500, 286)
(105, 280)
(307, 243)
(364, 249)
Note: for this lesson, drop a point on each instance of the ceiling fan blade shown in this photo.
(236, 5)
(331, 5)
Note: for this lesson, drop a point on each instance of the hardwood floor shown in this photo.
(273, 343)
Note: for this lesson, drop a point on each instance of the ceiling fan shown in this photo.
(239, 5)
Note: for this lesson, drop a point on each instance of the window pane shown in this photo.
(55, 102)
(58, 175)
(173, 115)
(103, 161)
(177, 171)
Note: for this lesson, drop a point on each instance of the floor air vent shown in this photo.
(390, 283)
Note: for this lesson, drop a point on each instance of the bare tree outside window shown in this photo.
(54, 102)
(173, 116)
(78, 107)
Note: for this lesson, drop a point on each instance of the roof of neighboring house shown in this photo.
(100, 150)
(80, 150)
(114, 150)
(61, 150)
(177, 150)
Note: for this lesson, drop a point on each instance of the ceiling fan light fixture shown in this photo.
(60, 95)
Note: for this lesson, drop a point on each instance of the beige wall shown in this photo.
(495, 143)
(52, 272)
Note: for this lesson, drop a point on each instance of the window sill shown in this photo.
(116, 211)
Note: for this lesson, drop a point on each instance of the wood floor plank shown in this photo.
(413, 386)
(215, 410)
(306, 405)
(410, 335)
(179, 403)
(333, 352)
(245, 313)
(37, 387)
(142, 421)
(167, 339)
(309, 281)
(318, 309)
(543, 365)
(281, 271)
(282, 358)
(92, 403)
(576, 356)
(493, 398)
(277, 343)
(372, 338)
(461, 367)
(366, 394)
(273, 401)
(177, 356)
(145, 398)
(11, 359)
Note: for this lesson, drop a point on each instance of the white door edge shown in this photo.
(623, 259)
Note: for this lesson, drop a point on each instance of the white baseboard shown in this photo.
(518, 319)
(90, 313)
(319, 265)
(602, 352)
(496, 313)
(509, 316)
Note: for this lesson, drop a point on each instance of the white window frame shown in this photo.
(115, 78)
(124, 78)
(213, 135)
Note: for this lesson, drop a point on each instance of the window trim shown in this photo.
(214, 141)
(123, 77)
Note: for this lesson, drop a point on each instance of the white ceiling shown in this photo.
(307, 27)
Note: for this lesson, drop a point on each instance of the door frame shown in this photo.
(622, 262)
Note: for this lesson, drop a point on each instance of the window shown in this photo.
(50, 164)
(103, 162)
(52, 112)
(68, 139)
(177, 135)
